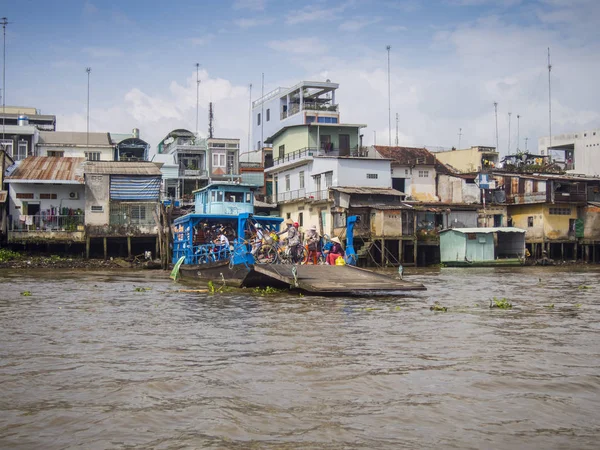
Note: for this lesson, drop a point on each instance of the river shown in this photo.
(88, 361)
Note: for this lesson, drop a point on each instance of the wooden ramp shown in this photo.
(330, 280)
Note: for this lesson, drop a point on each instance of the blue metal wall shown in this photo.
(134, 187)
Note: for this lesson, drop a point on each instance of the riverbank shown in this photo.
(15, 260)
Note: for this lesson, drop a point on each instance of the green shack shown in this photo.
(468, 247)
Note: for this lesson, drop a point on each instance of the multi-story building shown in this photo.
(129, 147)
(577, 152)
(190, 163)
(14, 115)
(474, 159)
(308, 102)
(5, 162)
(75, 144)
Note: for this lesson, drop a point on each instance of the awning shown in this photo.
(3, 196)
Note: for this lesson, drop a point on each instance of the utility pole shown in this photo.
(197, 94)
(509, 114)
(459, 136)
(526, 139)
(518, 131)
(496, 112)
(549, 100)
(389, 47)
(374, 137)
(262, 111)
(4, 21)
(249, 118)
(87, 134)
(396, 129)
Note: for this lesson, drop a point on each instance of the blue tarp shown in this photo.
(134, 187)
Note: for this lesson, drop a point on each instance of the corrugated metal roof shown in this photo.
(122, 168)
(49, 168)
(411, 156)
(486, 230)
(368, 190)
(74, 138)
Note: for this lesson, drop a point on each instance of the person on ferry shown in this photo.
(336, 251)
(222, 243)
(312, 243)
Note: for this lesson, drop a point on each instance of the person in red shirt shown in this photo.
(336, 251)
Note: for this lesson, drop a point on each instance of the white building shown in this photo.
(75, 144)
(575, 152)
(305, 103)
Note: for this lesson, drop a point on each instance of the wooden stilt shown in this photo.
(415, 254)
(105, 248)
(400, 243)
(383, 253)
(129, 246)
(87, 247)
(562, 251)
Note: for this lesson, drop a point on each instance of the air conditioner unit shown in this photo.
(74, 195)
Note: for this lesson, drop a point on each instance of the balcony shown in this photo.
(309, 152)
(193, 173)
(47, 228)
(300, 194)
(295, 108)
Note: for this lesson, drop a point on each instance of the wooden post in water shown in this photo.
(129, 246)
(415, 253)
(562, 251)
(575, 252)
(382, 252)
(400, 244)
(87, 247)
(105, 248)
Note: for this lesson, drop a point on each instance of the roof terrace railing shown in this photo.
(326, 150)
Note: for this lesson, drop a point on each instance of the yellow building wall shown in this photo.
(310, 215)
(464, 160)
(293, 139)
(591, 223)
(556, 227)
(520, 215)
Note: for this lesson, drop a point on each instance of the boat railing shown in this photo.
(207, 253)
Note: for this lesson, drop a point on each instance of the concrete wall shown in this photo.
(386, 223)
(591, 221)
(423, 188)
(106, 154)
(556, 227)
(457, 190)
(586, 149)
(486, 216)
(97, 193)
(461, 219)
(310, 215)
(519, 215)
(293, 139)
(468, 160)
(62, 191)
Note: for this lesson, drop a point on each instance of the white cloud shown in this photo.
(203, 40)
(300, 46)
(253, 22)
(358, 23)
(103, 52)
(395, 28)
(313, 13)
(255, 5)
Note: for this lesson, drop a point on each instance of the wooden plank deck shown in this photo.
(330, 280)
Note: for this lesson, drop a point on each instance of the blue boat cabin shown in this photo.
(224, 198)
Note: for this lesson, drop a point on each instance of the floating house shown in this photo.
(482, 246)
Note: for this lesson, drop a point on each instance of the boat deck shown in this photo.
(331, 280)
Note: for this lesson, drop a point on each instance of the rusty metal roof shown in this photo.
(122, 168)
(412, 156)
(45, 169)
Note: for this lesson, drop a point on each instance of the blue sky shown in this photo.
(450, 60)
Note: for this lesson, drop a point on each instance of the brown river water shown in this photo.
(88, 362)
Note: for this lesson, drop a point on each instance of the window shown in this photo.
(328, 179)
(56, 153)
(218, 159)
(138, 213)
(218, 145)
(234, 197)
(560, 211)
(288, 215)
(317, 180)
(258, 119)
(300, 219)
(7, 145)
(230, 162)
(530, 221)
(268, 115)
(372, 176)
(21, 150)
(24, 195)
(301, 179)
(281, 151)
(219, 196)
(92, 156)
(327, 120)
(310, 119)
(287, 182)
(423, 173)
(258, 145)
(48, 196)
(97, 208)
(248, 197)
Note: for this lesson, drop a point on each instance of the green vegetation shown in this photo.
(8, 255)
(142, 289)
(583, 287)
(501, 303)
(268, 290)
(436, 307)
(26, 293)
(550, 306)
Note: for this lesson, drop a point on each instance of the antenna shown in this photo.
(210, 120)
(526, 139)
(549, 99)
(4, 21)
(249, 118)
(518, 131)
(262, 111)
(374, 137)
(87, 135)
(396, 129)
(197, 94)
(459, 136)
(509, 114)
(388, 48)
(496, 112)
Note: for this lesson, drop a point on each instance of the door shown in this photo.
(344, 144)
